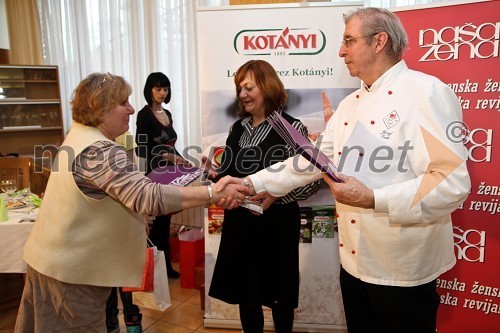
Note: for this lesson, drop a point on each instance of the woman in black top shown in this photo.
(156, 139)
(258, 259)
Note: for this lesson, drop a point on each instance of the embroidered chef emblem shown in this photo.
(391, 119)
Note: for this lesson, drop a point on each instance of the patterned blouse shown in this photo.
(253, 136)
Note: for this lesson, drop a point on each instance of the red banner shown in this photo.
(460, 45)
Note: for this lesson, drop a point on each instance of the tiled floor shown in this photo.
(184, 316)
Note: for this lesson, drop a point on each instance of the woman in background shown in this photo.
(258, 259)
(156, 139)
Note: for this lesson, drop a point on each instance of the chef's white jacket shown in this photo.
(400, 137)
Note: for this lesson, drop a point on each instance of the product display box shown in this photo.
(323, 222)
(305, 224)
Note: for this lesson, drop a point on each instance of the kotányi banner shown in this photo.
(302, 44)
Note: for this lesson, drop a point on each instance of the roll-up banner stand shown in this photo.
(459, 44)
(301, 42)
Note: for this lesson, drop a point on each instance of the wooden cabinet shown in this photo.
(30, 108)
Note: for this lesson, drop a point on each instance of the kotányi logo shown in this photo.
(299, 41)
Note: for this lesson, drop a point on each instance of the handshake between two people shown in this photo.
(233, 192)
(240, 192)
(349, 191)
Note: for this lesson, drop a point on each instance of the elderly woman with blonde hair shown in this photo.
(88, 236)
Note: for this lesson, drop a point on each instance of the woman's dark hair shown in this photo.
(267, 80)
(158, 80)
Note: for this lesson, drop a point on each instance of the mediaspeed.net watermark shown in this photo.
(379, 160)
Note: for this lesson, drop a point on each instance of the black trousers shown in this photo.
(129, 308)
(252, 318)
(371, 308)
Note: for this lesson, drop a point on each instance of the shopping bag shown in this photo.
(159, 298)
(191, 254)
(174, 248)
(147, 273)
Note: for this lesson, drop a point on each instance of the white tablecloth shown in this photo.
(13, 235)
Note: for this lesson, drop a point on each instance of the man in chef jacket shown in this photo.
(399, 151)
